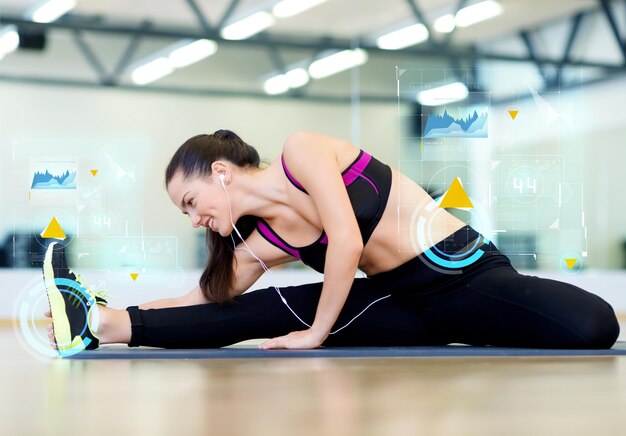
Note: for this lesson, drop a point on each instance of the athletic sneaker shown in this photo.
(70, 302)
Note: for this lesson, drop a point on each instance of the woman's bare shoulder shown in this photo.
(343, 150)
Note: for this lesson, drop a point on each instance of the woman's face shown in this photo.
(203, 199)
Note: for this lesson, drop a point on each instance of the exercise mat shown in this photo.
(247, 352)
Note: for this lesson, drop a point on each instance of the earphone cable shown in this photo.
(266, 269)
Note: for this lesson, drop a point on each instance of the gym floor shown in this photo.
(349, 396)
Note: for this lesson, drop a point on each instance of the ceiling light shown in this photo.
(467, 16)
(289, 8)
(443, 94)
(164, 62)
(276, 85)
(478, 12)
(404, 37)
(190, 51)
(337, 62)
(151, 71)
(280, 83)
(248, 26)
(9, 40)
(297, 77)
(51, 10)
(444, 24)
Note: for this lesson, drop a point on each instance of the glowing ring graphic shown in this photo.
(91, 301)
(577, 267)
(432, 253)
(41, 346)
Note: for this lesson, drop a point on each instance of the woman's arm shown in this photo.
(246, 268)
(338, 280)
(313, 162)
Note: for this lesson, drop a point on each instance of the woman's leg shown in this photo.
(489, 303)
(262, 314)
(501, 307)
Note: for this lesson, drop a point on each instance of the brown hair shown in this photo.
(194, 158)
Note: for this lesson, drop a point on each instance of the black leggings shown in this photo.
(489, 303)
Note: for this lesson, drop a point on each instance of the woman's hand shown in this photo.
(296, 340)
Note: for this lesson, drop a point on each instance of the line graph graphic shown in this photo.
(46, 180)
(54, 175)
(446, 125)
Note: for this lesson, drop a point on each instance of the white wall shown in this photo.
(162, 123)
(28, 293)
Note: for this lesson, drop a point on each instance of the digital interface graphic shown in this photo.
(504, 161)
(446, 125)
(30, 303)
(86, 196)
(46, 180)
(99, 220)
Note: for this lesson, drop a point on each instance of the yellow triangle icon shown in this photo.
(54, 230)
(93, 172)
(513, 114)
(570, 263)
(456, 197)
(134, 276)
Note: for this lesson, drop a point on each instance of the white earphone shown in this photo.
(266, 269)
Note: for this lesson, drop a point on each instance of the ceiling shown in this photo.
(239, 67)
(339, 18)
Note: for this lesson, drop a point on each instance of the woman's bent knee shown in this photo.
(600, 327)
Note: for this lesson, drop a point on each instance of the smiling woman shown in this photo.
(334, 207)
(190, 184)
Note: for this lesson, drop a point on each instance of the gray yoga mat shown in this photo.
(247, 352)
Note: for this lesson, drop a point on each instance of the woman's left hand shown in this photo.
(295, 340)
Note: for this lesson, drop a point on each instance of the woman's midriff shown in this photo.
(393, 243)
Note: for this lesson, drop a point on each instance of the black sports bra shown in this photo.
(368, 182)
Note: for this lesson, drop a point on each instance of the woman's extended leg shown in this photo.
(262, 314)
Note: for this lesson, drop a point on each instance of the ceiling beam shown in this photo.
(568, 47)
(608, 13)
(204, 23)
(530, 47)
(199, 92)
(129, 52)
(228, 13)
(91, 57)
(210, 92)
(417, 12)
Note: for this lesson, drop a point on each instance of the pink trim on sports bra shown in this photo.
(349, 175)
(289, 176)
(268, 233)
(356, 170)
(273, 237)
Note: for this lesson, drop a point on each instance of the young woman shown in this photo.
(335, 207)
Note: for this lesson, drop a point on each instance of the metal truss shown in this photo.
(458, 57)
